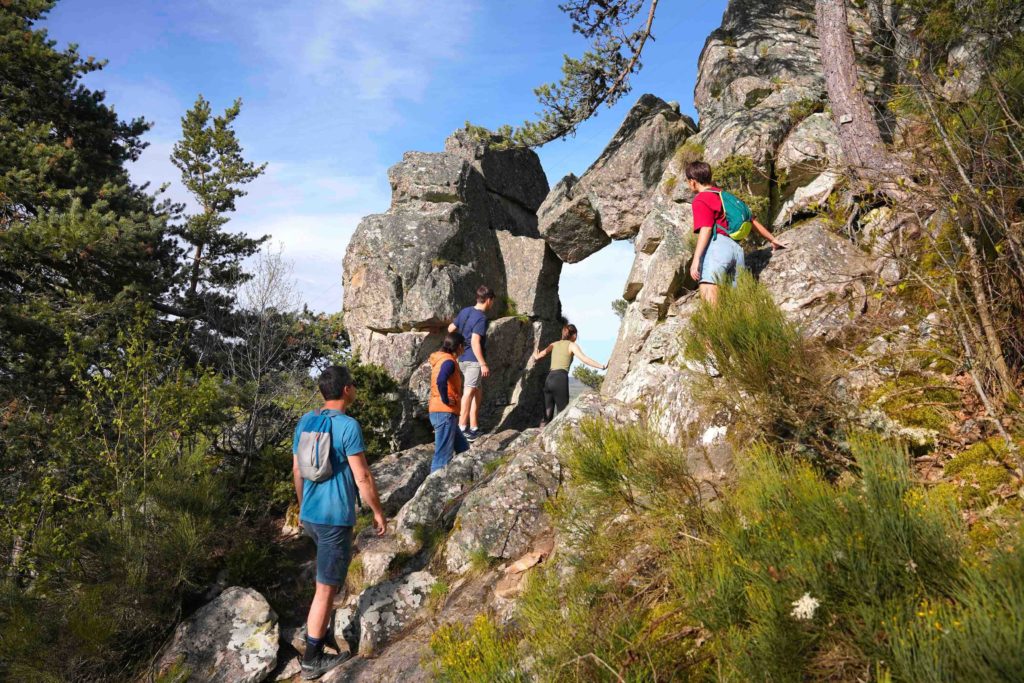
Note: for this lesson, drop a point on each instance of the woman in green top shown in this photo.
(556, 387)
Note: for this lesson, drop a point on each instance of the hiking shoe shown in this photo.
(471, 434)
(316, 667)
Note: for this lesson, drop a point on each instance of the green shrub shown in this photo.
(770, 372)
(691, 150)
(479, 652)
(862, 553)
(627, 467)
(801, 109)
(589, 377)
(376, 408)
(738, 174)
(789, 577)
(975, 635)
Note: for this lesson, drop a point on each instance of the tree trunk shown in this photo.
(197, 262)
(858, 130)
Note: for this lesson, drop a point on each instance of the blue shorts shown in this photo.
(721, 261)
(448, 439)
(333, 551)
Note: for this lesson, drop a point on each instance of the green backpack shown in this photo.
(737, 215)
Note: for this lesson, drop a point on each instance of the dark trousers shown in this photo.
(556, 393)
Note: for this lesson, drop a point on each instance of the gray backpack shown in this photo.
(314, 451)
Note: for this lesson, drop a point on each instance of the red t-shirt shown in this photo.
(707, 211)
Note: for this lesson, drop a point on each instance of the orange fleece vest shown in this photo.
(437, 359)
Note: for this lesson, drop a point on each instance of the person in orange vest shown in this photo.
(445, 399)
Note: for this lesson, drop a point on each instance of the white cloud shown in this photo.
(381, 52)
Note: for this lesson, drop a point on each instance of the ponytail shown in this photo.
(568, 332)
(452, 342)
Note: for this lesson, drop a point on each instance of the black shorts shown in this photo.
(333, 551)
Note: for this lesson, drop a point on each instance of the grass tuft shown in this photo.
(771, 373)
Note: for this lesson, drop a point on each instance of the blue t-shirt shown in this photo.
(332, 501)
(472, 321)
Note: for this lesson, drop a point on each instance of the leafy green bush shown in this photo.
(123, 516)
(377, 408)
(771, 373)
(631, 504)
(802, 570)
(628, 467)
(974, 635)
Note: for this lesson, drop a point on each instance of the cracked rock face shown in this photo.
(820, 281)
(399, 475)
(759, 85)
(503, 517)
(382, 611)
(432, 505)
(233, 639)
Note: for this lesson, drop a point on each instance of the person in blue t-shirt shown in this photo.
(327, 509)
(471, 323)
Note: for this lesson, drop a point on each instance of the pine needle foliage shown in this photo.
(788, 577)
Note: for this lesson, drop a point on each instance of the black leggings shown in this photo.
(556, 393)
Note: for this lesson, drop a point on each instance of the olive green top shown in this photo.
(561, 355)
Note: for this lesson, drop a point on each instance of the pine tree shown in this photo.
(61, 142)
(80, 245)
(213, 170)
(600, 77)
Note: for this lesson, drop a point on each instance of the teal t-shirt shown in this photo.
(332, 501)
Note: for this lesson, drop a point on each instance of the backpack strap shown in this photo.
(718, 229)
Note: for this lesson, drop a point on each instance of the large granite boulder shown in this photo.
(504, 516)
(612, 196)
(233, 639)
(399, 475)
(458, 219)
(820, 280)
(433, 506)
(382, 612)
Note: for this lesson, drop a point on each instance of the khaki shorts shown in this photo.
(470, 374)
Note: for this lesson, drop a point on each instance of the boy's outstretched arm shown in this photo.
(765, 233)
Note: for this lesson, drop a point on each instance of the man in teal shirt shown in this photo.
(327, 509)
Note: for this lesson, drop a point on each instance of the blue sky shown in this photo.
(335, 91)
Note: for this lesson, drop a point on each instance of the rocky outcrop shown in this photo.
(761, 95)
(458, 219)
(610, 200)
(399, 475)
(381, 612)
(432, 507)
(504, 516)
(820, 281)
(233, 639)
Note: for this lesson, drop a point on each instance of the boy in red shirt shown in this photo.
(717, 255)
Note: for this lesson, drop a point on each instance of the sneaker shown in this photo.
(473, 434)
(320, 664)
